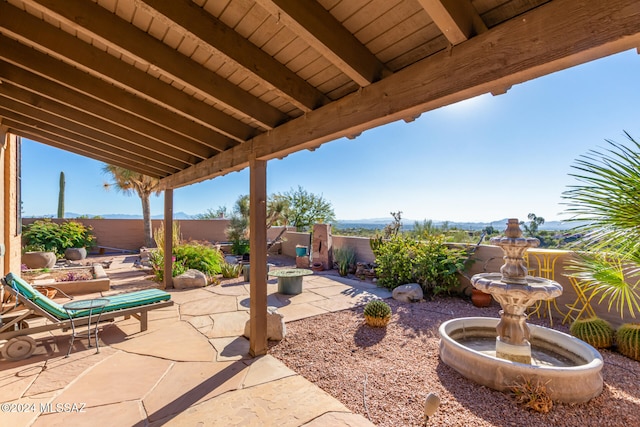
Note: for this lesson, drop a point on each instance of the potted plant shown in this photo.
(35, 256)
(480, 299)
(50, 236)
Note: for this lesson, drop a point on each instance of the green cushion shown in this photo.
(116, 302)
(21, 286)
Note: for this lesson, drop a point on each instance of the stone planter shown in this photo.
(99, 283)
(37, 260)
(75, 254)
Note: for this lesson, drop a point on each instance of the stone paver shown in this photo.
(300, 311)
(209, 305)
(290, 401)
(333, 290)
(179, 341)
(339, 419)
(127, 413)
(189, 383)
(264, 369)
(119, 378)
(191, 367)
(234, 289)
(228, 324)
(231, 348)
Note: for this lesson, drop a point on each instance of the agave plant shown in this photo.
(607, 202)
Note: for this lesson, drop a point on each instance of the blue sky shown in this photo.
(484, 159)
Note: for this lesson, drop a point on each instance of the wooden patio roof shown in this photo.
(186, 90)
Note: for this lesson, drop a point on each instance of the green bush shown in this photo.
(156, 258)
(429, 262)
(206, 259)
(46, 235)
(188, 256)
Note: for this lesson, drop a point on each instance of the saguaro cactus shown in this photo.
(61, 197)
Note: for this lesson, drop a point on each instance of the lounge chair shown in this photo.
(15, 342)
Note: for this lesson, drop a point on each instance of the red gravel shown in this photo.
(385, 374)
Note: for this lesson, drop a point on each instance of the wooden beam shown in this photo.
(210, 123)
(102, 92)
(168, 239)
(312, 22)
(72, 146)
(108, 119)
(547, 39)
(215, 37)
(42, 119)
(457, 19)
(123, 37)
(258, 264)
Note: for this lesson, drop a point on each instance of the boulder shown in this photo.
(190, 279)
(75, 254)
(410, 292)
(37, 260)
(276, 329)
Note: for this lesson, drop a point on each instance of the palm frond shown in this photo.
(609, 277)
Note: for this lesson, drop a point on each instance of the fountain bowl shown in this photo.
(570, 368)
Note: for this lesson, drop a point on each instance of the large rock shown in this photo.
(37, 260)
(276, 329)
(75, 254)
(410, 292)
(190, 279)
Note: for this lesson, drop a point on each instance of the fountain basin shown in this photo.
(570, 368)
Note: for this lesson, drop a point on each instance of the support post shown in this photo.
(258, 263)
(168, 238)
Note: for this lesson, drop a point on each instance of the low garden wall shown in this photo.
(118, 235)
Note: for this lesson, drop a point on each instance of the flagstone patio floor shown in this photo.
(190, 368)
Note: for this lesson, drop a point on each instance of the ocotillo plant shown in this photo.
(61, 197)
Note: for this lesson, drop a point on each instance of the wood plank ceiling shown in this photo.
(186, 90)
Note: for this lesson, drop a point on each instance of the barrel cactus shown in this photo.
(628, 340)
(377, 313)
(594, 331)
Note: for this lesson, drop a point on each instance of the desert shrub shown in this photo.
(156, 258)
(345, 257)
(532, 394)
(46, 235)
(230, 271)
(429, 262)
(197, 256)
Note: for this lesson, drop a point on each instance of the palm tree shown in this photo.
(127, 182)
(607, 202)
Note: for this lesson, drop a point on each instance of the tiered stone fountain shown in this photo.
(500, 353)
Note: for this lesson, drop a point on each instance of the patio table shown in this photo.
(290, 279)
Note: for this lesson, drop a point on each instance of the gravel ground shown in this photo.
(385, 374)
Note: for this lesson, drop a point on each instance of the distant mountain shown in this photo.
(407, 224)
(69, 215)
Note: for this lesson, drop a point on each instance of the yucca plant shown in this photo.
(594, 331)
(607, 203)
(345, 257)
(628, 340)
(230, 271)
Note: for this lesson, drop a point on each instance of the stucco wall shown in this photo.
(115, 235)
